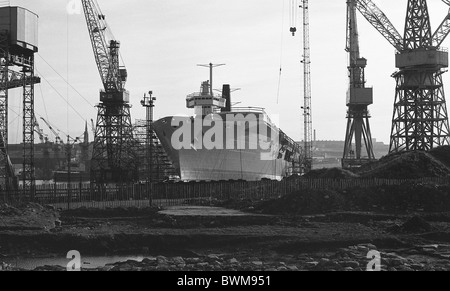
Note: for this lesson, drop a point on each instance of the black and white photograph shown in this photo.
(222, 143)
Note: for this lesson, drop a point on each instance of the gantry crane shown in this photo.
(420, 119)
(113, 157)
(17, 50)
(10, 79)
(359, 97)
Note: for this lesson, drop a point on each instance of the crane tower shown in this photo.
(420, 119)
(307, 158)
(113, 157)
(18, 45)
(307, 106)
(358, 99)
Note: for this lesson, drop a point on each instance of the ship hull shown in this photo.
(215, 165)
(200, 164)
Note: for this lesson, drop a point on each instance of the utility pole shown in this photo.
(149, 103)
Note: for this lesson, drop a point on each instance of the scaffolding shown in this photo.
(159, 167)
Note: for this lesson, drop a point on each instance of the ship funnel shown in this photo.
(226, 94)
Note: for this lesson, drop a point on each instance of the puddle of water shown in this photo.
(87, 262)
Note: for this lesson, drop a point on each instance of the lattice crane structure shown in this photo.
(18, 45)
(113, 159)
(358, 148)
(420, 119)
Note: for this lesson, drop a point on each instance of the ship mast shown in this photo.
(211, 66)
(204, 102)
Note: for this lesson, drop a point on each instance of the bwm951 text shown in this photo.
(245, 280)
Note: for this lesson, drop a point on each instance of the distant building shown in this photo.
(51, 158)
(328, 153)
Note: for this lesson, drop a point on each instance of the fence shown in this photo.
(193, 193)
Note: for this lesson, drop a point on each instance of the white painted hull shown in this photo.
(221, 164)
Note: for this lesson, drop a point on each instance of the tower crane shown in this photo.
(307, 106)
(113, 157)
(307, 159)
(420, 119)
(358, 99)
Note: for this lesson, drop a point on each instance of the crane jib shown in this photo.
(106, 55)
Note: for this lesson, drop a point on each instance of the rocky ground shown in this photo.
(332, 241)
(353, 258)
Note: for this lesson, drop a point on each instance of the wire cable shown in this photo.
(61, 96)
(281, 53)
(64, 79)
(67, 71)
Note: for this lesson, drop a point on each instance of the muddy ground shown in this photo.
(248, 241)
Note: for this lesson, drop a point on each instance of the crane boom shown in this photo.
(106, 55)
(379, 20)
(55, 133)
(93, 126)
(443, 30)
(352, 33)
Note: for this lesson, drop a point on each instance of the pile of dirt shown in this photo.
(411, 165)
(333, 173)
(27, 216)
(8, 210)
(416, 225)
(406, 198)
(239, 204)
(21, 209)
(442, 154)
(304, 203)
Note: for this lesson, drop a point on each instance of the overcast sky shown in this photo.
(164, 40)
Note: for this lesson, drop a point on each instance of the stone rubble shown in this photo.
(353, 258)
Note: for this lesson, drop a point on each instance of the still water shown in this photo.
(86, 262)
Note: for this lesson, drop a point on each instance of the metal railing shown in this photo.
(193, 193)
